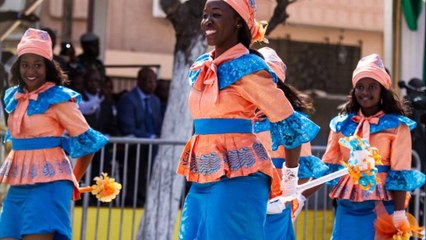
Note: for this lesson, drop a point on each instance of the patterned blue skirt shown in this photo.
(37, 209)
(232, 208)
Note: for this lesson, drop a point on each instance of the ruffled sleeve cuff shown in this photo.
(311, 166)
(88, 142)
(404, 180)
(293, 131)
(331, 169)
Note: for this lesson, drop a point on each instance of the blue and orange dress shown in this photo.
(279, 226)
(390, 134)
(45, 126)
(231, 174)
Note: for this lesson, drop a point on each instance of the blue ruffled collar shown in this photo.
(51, 96)
(231, 71)
(344, 123)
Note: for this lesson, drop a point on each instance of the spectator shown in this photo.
(89, 58)
(98, 109)
(162, 92)
(67, 53)
(139, 111)
(139, 115)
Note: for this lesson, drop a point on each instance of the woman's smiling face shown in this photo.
(219, 25)
(32, 69)
(368, 95)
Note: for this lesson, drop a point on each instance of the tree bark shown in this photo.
(280, 15)
(166, 187)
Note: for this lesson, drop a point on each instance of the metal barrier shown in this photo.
(119, 220)
(120, 162)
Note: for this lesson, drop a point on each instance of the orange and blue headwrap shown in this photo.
(246, 9)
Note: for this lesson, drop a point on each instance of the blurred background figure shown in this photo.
(416, 97)
(89, 57)
(162, 92)
(56, 57)
(68, 54)
(139, 115)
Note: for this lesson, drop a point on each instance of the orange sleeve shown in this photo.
(332, 153)
(71, 119)
(400, 158)
(259, 89)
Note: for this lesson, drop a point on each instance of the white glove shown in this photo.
(91, 106)
(297, 206)
(289, 182)
(275, 207)
(399, 219)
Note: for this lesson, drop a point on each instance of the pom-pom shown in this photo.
(105, 189)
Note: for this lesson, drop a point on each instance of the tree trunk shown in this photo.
(279, 16)
(166, 187)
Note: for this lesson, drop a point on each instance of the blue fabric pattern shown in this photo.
(88, 142)
(260, 151)
(205, 164)
(51, 96)
(345, 125)
(293, 131)
(232, 71)
(331, 169)
(242, 158)
(261, 126)
(404, 180)
(311, 166)
(236, 160)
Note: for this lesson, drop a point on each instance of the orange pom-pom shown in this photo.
(385, 230)
(105, 189)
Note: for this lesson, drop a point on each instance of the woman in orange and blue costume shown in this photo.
(280, 215)
(44, 125)
(373, 112)
(231, 173)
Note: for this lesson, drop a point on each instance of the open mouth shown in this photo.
(31, 79)
(210, 32)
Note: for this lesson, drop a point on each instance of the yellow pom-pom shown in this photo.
(105, 189)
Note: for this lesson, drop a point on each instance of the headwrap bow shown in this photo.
(24, 100)
(207, 80)
(363, 128)
(247, 9)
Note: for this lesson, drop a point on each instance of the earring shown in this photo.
(238, 26)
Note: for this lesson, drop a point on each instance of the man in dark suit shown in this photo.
(139, 111)
(139, 115)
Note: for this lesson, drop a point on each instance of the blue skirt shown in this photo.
(37, 209)
(355, 220)
(279, 226)
(232, 208)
